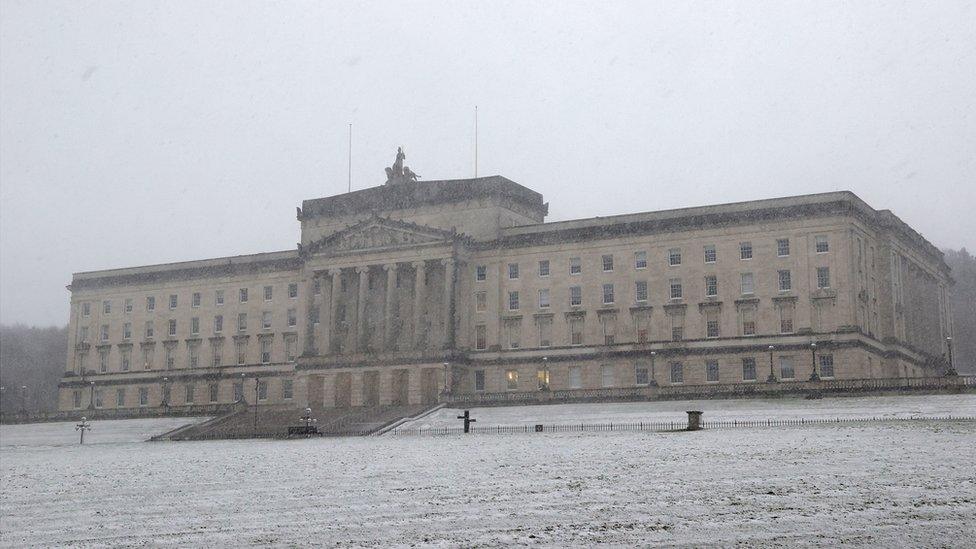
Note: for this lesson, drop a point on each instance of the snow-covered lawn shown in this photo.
(879, 484)
(102, 432)
(739, 409)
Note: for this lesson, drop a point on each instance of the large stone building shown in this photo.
(412, 292)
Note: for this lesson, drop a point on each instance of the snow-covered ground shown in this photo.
(102, 432)
(914, 406)
(879, 484)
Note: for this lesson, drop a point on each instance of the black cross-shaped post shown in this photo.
(467, 421)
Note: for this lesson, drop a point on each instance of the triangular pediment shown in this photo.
(380, 233)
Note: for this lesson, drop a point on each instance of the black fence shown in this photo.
(665, 426)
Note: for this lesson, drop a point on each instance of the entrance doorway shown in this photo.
(371, 388)
(401, 388)
(343, 390)
(429, 385)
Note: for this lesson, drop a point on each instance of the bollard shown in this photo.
(694, 420)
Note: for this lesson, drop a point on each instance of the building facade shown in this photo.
(403, 293)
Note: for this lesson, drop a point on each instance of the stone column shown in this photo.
(391, 273)
(330, 331)
(448, 294)
(309, 347)
(419, 282)
(361, 308)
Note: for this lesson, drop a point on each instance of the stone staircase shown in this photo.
(273, 422)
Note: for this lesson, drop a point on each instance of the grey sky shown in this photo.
(146, 132)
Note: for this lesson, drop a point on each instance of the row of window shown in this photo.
(218, 326)
(189, 394)
(642, 373)
(192, 355)
(674, 257)
(195, 300)
(675, 290)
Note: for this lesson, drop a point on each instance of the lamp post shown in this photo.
(91, 397)
(257, 385)
(813, 354)
(772, 376)
(83, 426)
(447, 378)
(165, 402)
(951, 371)
(544, 386)
(242, 388)
(653, 382)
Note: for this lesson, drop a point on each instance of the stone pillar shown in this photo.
(386, 387)
(448, 294)
(309, 347)
(356, 389)
(361, 308)
(419, 282)
(391, 273)
(330, 331)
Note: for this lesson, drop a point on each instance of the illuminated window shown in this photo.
(511, 379)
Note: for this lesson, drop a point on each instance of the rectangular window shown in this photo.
(195, 299)
(479, 380)
(242, 352)
(127, 330)
(542, 379)
(748, 369)
(172, 327)
(265, 350)
(747, 285)
(677, 333)
(786, 370)
(711, 370)
(675, 286)
(513, 301)
(150, 329)
(119, 398)
(606, 375)
(241, 322)
(316, 286)
(291, 343)
(575, 377)
(608, 294)
(640, 260)
(147, 358)
(143, 396)
(783, 247)
(640, 374)
(822, 245)
(188, 397)
(823, 277)
(513, 332)
(262, 390)
(243, 295)
(213, 392)
(711, 286)
(677, 372)
(513, 271)
(219, 297)
(107, 307)
(195, 325)
(128, 305)
(218, 324)
(481, 302)
(194, 356)
(173, 301)
(640, 291)
(745, 250)
(710, 254)
(292, 290)
(480, 337)
(215, 354)
(544, 298)
(575, 266)
(86, 309)
(544, 268)
(576, 331)
(511, 380)
(238, 391)
(748, 321)
(84, 334)
(481, 273)
(711, 323)
(170, 360)
(674, 257)
(575, 296)
(98, 398)
(545, 332)
(103, 361)
(76, 399)
(150, 304)
(292, 318)
(826, 366)
(314, 313)
(785, 281)
(287, 389)
(786, 319)
(268, 292)
(607, 263)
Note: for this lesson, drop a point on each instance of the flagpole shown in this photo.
(350, 157)
(476, 140)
